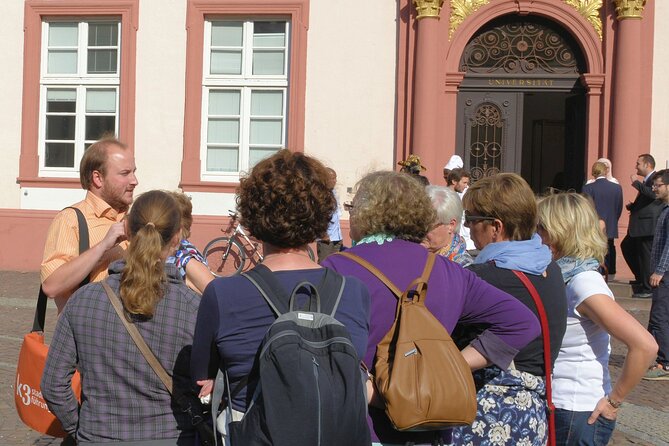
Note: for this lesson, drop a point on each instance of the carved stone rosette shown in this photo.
(461, 9)
(589, 9)
(428, 8)
(629, 9)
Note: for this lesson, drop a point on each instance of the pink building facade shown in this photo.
(538, 87)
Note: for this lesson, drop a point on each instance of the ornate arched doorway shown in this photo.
(521, 105)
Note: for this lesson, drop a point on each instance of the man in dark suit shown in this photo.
(608, 199)
(644, 212)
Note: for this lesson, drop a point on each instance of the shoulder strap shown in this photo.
(269, 287)
(545, 334)
(144, 349)
(372, 269)
(84, 244)
(425, 275)
(421, 281)
(330, 290)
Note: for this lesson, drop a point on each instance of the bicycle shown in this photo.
(227, 255)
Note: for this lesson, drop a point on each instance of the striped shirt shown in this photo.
(122, 397)
(62, 241)
(659, 255)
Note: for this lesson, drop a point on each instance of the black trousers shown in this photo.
(636, 251)
(658, 325)
(610, 259)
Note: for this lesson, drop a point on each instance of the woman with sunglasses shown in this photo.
(390, 215)
(586, 402)
(501, 213)
(444, 237)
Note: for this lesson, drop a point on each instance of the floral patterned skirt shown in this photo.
(511, 410)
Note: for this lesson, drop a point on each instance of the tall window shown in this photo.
(79, 90)
(245, 88)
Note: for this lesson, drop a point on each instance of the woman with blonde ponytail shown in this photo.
(123, 400)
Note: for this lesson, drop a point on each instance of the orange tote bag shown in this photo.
(30, 405)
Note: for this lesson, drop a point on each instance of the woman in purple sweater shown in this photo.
(390, 215)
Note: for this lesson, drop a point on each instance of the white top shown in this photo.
(464, 231)
(581, 372)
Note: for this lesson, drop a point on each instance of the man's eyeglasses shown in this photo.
(348, 207)
(657, 185)
(469, 218)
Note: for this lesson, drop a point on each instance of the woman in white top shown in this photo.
(586, 401)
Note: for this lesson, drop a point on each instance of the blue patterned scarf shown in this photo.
(572, 266)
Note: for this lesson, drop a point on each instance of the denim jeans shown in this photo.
(572, 429)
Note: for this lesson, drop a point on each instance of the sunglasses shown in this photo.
(469, 218)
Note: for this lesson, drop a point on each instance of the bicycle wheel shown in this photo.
(225, 257)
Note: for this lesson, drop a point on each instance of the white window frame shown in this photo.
(245, 83)
(81, 82)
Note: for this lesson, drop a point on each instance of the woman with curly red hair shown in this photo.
(286, 202)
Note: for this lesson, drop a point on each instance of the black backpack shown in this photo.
(309, 387)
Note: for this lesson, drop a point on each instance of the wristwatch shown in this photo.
(615, 404)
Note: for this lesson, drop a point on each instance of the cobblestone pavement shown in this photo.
(644, 418)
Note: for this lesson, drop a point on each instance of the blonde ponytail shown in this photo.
(152, 223)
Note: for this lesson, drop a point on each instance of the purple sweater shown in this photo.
(454, 294)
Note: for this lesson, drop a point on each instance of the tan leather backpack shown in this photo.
(420, 373)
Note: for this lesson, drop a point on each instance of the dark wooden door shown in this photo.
(489, 136)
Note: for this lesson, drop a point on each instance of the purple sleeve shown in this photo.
(204, 356)
(512, 325)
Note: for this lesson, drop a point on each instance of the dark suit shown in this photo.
(608, 199)
(636, 246)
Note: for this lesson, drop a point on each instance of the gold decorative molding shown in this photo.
(428, 8)
(589, 9)
(461, 9)
(629, 9)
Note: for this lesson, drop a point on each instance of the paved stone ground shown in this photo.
(644, 419)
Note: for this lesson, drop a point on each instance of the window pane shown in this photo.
(100, 101)
(222, 159)
(266, 132)
(226, 34)
(62, 62)
(61, 101)
(60, 127)
(257, 154)
(223, 131)
(63, 34)
(59, 154)
(224, 102)
(96, 126)
(269, 34)
(102, 34)
(226, 62)
(102, 61)
(267, 103)
(268, 62)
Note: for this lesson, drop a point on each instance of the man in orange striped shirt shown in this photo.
(107, 172)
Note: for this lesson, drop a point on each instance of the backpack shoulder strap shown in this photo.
(372, 269)
(331, 290)
(421, 282)
(269, 287)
